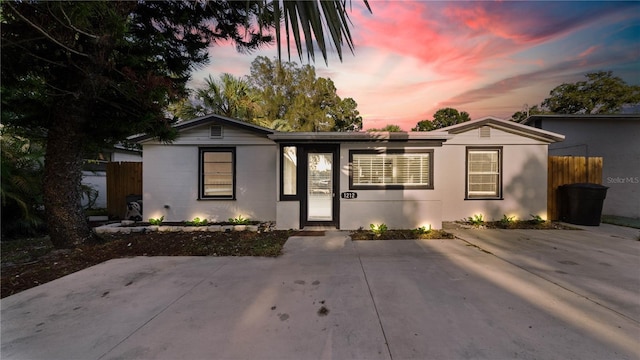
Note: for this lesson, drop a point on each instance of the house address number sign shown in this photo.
(349, 195)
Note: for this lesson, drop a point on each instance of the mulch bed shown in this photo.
(514, 225)
(399, 235)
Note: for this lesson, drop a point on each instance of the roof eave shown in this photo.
(508, 126)
(185, 125)
(358, 136)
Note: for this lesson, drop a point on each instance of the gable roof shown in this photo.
(207, 119)
(505, 125)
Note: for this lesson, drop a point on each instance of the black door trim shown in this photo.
(334, 149)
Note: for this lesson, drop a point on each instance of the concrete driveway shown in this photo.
(487, 295)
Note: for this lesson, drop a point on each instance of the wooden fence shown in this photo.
(569, 170)
(123, 179)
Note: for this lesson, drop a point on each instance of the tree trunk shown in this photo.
(66, 222)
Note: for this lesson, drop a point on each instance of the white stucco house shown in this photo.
(220, 168)
(615, 138)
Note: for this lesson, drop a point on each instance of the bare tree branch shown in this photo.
(95, 37)
(45, 33)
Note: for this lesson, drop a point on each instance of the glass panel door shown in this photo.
(320, 187)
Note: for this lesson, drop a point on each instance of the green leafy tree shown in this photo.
(424, 125)
(296, 95)
(449, 116)
(345, 116)
(387, 128)
(89, 74)
(442, 118)
(601, 93)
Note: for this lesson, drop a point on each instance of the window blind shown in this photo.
(391, 169)
(217, 174)
(483, 173)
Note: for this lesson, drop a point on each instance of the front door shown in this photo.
(320, 205)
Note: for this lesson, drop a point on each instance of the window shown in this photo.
(393, 169)
(288, 174)
(217, 173)
(484, 173)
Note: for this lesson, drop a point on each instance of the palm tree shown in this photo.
(312, 18)
(281, 125)
(21, 190)
(229, 96)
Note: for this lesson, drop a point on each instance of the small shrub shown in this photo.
(506, 221)
(157, 221)
(378, 229)
(197, 222)
(239, 220)
(536, 219)
(476, 220)
(423, 230)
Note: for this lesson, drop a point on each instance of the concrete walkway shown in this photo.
(490, 294)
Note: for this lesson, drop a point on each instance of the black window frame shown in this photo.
(202, 151)
(430, 186)
(296, 196)
(498, 196)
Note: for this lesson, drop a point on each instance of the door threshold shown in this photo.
(319, 228)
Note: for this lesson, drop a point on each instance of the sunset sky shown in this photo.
(486, 58)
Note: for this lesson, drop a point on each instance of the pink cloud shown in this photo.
(486, 58)
(457, 38)
(454, 40)
(589, 51)
(401, 28)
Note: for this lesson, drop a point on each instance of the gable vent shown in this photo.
(215, 132)
(485, 132)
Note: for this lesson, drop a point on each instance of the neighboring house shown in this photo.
(615, 138)
(94, 173)
(220, 168)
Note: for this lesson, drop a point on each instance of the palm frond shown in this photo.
(325, 22)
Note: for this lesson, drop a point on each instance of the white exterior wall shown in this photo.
(170, 180)
(524, 177)
(119, 156)
(524, 186)
(170, 184)
(398, 209)
(288, 216)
